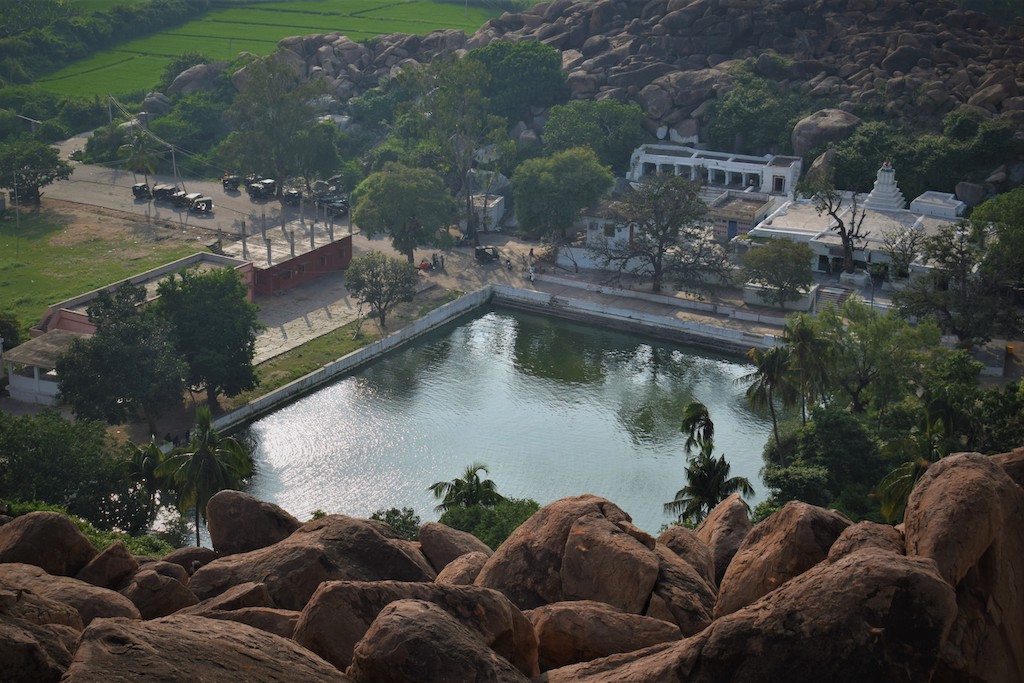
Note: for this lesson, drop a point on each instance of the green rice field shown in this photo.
(136, 65)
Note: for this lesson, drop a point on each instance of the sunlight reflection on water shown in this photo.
(553, 408)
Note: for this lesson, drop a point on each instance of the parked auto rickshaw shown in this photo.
(141, 191)
(486, 254)
(202, 205)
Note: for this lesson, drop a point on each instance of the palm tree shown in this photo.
(925, 446)
(467, 491)
(139, 155)
(141, 468)
(808, 356)
(698, 427)
(707, 484)
(210, 463)
(769, 381)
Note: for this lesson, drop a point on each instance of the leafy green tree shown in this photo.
(10, 330)
(139, 154)
(807, 483)
(670, 239)
(1000, 414)
(405, 521)
(210, 463)
(214, 326)
(411, 205)
(754, 115)
(808, 363)
(608, 127)
(31, 166)
(919, 448)
(522, 74)
(381, 281)
(999, 222)
(492, 525)
(129, 366)
(141, 465)
(469, 490)
(903, 245)
(317, 149)
(782, 266)
(770, 382)
(550, 192)
(961, 295)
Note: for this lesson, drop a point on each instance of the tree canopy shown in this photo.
(469, 490)
(550, 192)
(381, 281)
(608, 127)
(28, 166)
(782, 266)
(522, 74)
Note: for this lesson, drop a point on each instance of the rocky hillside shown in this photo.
(913, 60)
(575, 594)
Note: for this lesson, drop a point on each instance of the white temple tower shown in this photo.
(886, 195)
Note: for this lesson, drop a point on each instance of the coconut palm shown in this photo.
(467, 491)
(139, 156)
(698, 427)
(769, 382)
(924, 447)
(707, 484)
(210, 463)
(141, 467)
(808, 360)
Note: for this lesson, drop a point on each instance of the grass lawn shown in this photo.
(48, 260)
(252, 27)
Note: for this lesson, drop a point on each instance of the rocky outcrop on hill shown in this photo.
(806, 596)
(239, 523)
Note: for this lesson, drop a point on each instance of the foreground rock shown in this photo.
(111, 568)
(967, 515)
(723, 530)
(681, 596)
(329, 549)
(340, 613)
(685, 543)
(31, 653)
(442, 544)
(239, 523)
(418, 642)
(156, 595)
(48, 540)
(817, 627)
(89, 601)
(582, 630)
(785, 545)
(463, 570)
(186, 648)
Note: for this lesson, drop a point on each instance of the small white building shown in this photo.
(489, 210)
(770, 174)
(31, 367)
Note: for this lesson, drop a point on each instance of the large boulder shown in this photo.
(821, 127)
(682, 596)
(33, 653)
(239, 522)
(579, 548)
(463, 570)
(26, 605)
(89, 601)
(866, 535)
(280, 622)
(334, 548)
(413, 641)
(340, 613)
(967, 515)
(188, 648)
(111, 568)
(820, 626)
(196, 78)
(581, 630)
(685, 543)
(249, 594)
(156, 595)
(443, 544)
(723, 530)
(191, 558)
(48, 540)
(785, 545)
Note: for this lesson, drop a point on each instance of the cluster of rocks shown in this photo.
(914, 60)
(577, 593)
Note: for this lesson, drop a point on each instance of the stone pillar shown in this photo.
(269, 259)
(291, 241)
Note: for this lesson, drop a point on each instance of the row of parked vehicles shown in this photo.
(164, 192)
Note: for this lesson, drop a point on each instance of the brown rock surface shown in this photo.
(90, 601)
(685, 543)
(967, 515)
(111, 568)
(872, 616)
(248, 594)
(1013, 464)
(463, 570)
(582, 630)
(191, 557)
(48, 540)
(866, 535)
(821, 127)
(681, 596)
(340, 613)
(32, 653)
(188, 648)
(239, 522)
(529, 565)
(723, 530)
(280, 622)
(26, 605)
(413, 641)
(329, 549)
(171, 570)
(785, 545)
(156, 595)
(442, 544)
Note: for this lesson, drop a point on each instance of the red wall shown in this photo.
(304, 267)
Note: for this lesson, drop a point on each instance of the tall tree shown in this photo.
(381, 281)
(129, 366)
(411, 205)
(846, 217)
(215, 328)
(770, 382)
(670, 237)
(28, 166)
(316, 149)
(698, 427)
(466, 491)
(138, 154)
(550, 192)
(141, 466)
(612, 129)
(522, 74)
(782, 266)
(808, 360)
(210, 463)
(903, 245)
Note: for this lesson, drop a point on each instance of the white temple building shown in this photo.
(770, 174)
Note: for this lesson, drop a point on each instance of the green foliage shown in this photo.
(550, 192)
(783, 267)
(469, 490)
(10, 330)
(494, 524)
(381, 281)
(405, 521)
(214, 327)
(808, 483)
(522, 74)
(756, 115)
(608, 127)
(178, 64)
(58, 113)
(31, 166)
(147, 545)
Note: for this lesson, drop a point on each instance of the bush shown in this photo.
(137, 545)
(405, 521)
(491, 525)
